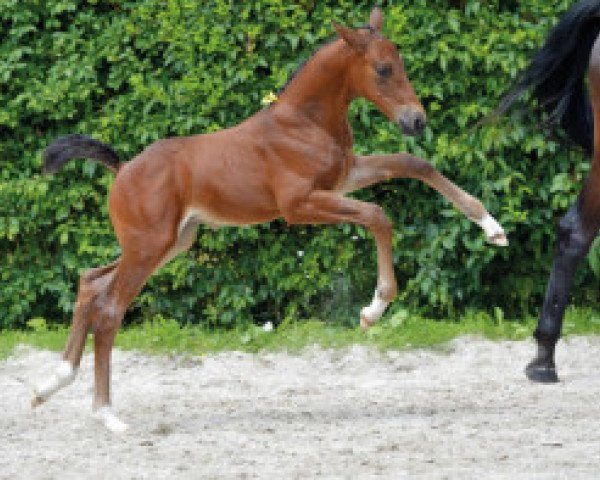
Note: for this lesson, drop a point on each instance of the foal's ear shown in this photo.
(352, 37)
(376, 19)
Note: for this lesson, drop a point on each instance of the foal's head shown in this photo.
(378, 74)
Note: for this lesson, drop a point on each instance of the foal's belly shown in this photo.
(234, 199)
(215, 218)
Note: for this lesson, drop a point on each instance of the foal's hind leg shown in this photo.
(104, 295)
(91, 286)
(127, 281)
(369, 170)
(143, 254)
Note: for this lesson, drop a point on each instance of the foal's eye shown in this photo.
(384, 70)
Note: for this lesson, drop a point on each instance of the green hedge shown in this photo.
(129, 73)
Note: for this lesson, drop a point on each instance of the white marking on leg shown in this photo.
(110, 420)
(64, 375)
(493, 231)
(372, 313)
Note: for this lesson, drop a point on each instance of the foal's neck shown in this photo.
(321, 89)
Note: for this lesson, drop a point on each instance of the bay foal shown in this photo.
(292, 160)
(557, 76)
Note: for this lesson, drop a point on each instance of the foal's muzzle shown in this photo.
(412, 121)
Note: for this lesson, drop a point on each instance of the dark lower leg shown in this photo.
(573, 242)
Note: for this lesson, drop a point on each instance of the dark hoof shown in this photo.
(540, 373)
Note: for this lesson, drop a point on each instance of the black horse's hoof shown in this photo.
(541, 373)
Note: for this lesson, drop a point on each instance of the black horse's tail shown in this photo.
(63, 149)
(556, 73)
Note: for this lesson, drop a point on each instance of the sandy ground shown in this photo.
(463, 412)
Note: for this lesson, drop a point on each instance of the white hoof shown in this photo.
(106, 416)
(64, 375)
(369, 315)
(493, 231)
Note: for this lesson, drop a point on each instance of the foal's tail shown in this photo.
(63, 149)
(557, 71)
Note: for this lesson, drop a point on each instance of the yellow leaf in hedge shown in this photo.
(268, 99)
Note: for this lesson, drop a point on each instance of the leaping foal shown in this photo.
(293, 160)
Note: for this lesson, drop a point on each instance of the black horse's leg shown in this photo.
(575, 234)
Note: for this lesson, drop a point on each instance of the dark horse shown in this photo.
(292, 160)
(556, 75)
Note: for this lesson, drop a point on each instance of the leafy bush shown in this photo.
(129, 73)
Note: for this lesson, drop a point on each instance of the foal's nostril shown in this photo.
(412, 121)
(419, 123)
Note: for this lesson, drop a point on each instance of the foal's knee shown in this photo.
(421, 168)
(378, 220)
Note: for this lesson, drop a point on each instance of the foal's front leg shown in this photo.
(372, 169)
(331, 207)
